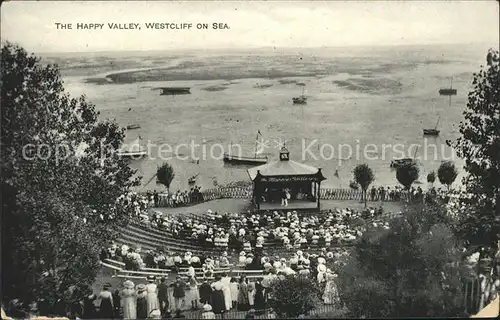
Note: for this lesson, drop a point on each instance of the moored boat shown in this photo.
(193, 179)
(228, 158)
(431, 132)
(300, 100)
(133, 151)
(401, 162)
(133, 126)
(170, 91)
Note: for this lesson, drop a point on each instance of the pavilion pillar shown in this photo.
(318, 193)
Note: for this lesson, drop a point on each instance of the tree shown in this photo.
(479, 146)
(363, 175)
(431, 177)
(405, 271)
(165, 174)
(61, 178)
(407, 174)
(294, 296)
(447, 173)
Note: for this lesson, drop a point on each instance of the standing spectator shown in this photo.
(218, 298)
(129, 300)
(152, 296)
(106, 307)
(194, 293)
(142, 304)
(89, 311)
(205, 292)
(179, 293)
(156, 199)
(116, 303)
(163, 296)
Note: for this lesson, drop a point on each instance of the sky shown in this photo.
(251, 24)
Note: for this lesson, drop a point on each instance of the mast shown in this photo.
(415, 152)
(256, 144)
(437, 123)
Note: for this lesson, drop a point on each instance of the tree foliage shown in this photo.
(363, 175)
(479, 145)
(61, 178)
(294, 296)
(447, 173)
(407, 174)
(165, 174)
(431, 177)
(406, 270)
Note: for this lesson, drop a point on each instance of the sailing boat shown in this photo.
(432, 132)
(405, 161)
(193, 179)
(133, 151)
(302, 99)
(229, 158)
(448, 91)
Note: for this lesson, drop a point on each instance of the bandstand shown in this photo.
(270, 180)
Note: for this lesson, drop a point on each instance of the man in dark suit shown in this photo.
(163, 295)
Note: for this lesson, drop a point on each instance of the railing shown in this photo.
(325, 194)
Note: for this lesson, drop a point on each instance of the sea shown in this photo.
(364, 105)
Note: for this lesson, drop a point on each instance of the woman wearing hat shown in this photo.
(243, 295)
(152, 295)
(218, 298)
(106, 308)
(331, 294)
(142, 304)
(129, 300)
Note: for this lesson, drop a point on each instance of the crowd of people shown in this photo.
(213, 292)
(174, 199)
(248, 231)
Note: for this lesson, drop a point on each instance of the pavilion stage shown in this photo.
(292, 205)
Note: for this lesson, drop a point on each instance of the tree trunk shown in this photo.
(364, 192)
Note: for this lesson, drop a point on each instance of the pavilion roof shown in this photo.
(283, 168)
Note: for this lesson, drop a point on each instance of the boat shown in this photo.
(172, 91)
(396, 163)
(229, 158)
(133, 151)
(401, 162)
(302, 99)
(432, 132)
(193, 179)
(244, 160)
(448, 91)
(133, 126)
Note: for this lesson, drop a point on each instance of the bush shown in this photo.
(294, 296)
(406, 270)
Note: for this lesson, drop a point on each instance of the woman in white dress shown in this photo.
(251, 294)
(331, 293)
(152, 295)
(226, 290)
(128, 300)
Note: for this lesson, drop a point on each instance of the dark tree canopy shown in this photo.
(61, 179)
(447, 173)
(431, 177)
(363, 175)
(479, 145)
(407, 174)
(165, 174)
(397, 272)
